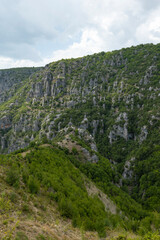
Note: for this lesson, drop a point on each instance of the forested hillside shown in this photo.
(98, 118)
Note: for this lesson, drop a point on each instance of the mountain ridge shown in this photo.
(103, 109)
(55, 73)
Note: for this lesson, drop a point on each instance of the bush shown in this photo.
(12, 177)
(152, 236)
(145, 226)
(33, 185)
(66, 208)
(32, 144)
(41, 237)
(5, 205)
(74, 151)
(21, 236)
(121, 238)
(13, 197)
(25, 208)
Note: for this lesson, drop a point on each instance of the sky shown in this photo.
(37, 32)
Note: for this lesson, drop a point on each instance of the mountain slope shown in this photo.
(99, 107)
(12, 79)
(104, 93)
(37, 182)
(27, 206)
(41, 181)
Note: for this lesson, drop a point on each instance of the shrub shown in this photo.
(12, 177)
(25, 175)
(32, 144)
(13, 197)
(66, 208)
(5, 205)
(145, 226)
(21, 236)
(152, 236)
(41, 237)
(25, 208)
(33, 185)
(74, 151)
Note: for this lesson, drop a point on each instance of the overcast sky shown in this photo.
(36, 32)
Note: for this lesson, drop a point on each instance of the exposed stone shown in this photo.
(3, 143)
(95, 124)
(127, 172)
(64, 86)
(90, 158)
(5, 122)
(84, 123)
(93, 147)
(143, 134)
(36, 126)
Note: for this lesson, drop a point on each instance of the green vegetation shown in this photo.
(103, 110)
(52, 171)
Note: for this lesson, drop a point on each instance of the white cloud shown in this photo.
(90, 43)
(149, 31)
(36, 32)
(12, 63)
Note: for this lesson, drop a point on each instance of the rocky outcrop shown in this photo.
(118, 130)
(104, 95)
(127, 172)
(5, 123)
(143, 135)
(90, 157)
(148, 74)
(12, 79)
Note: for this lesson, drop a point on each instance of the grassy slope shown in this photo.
(36, 187)
(37, 181)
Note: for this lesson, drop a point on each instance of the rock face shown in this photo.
(11, 79)
(127, 173)
(5, 123)
(143, 134)
(114, 97)
(118, 130)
